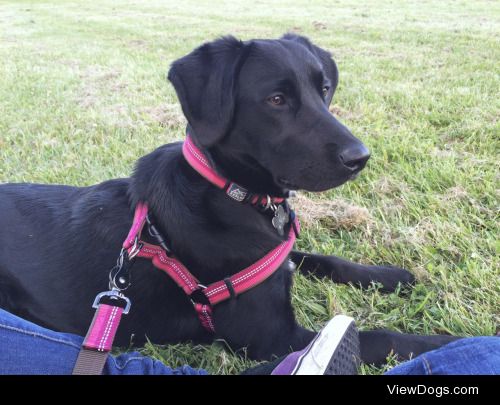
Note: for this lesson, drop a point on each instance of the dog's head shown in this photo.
(260, 108)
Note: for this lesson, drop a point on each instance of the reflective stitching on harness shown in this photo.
(208, 317)
(171, 264)
(178, 271)
(245, 276)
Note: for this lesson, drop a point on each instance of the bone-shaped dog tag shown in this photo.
(281, 217)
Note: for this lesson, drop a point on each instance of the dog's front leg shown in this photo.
(376, 345)
(295, 340)
(263, 336)
(343, 271)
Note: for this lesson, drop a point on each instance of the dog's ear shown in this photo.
(324, 57)
(205, 84)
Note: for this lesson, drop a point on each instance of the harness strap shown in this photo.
(204, 312)
(254, 274)
(230, 287)
(174, 268)
(140, 215)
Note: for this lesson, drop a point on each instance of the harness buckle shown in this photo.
(136, 248)
(155, 233)
(113, 295)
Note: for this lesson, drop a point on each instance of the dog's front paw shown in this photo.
(390, 277)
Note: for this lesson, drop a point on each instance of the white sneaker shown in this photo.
(334, 350)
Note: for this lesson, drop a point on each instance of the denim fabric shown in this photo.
(26, 348)
(472, 356)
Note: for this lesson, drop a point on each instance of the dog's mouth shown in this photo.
(289, 185)
(354, 175)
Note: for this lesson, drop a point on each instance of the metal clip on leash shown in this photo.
(110, 306)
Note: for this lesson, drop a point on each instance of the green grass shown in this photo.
(83, 94)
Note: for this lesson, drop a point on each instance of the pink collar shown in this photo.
(200, 163)
(216, 292)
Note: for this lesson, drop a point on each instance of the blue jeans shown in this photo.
(472, 356)
(26, 348)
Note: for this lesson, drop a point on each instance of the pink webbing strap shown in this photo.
(200, 163)
(103, 328)
(99, 340)
(141, 212)
(182, 277)
(254, 274)
(205, 316)
(174, 268)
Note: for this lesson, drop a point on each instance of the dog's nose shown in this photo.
(355, 157)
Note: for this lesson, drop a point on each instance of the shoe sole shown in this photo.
(334, 351)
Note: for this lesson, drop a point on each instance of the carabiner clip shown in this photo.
(113, 295)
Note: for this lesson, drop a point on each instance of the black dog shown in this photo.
(259, 110)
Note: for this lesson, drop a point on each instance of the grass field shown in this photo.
(83, 94)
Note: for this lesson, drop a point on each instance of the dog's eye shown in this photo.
(276, 100)
(325, 91)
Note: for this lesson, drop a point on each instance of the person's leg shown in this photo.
(476, 355)
(26, 348)
(137, 364)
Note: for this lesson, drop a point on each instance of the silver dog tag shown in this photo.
(280, 219)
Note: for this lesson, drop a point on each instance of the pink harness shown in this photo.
(216, 292)
(107, 317)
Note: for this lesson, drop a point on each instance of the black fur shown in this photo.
(58, 243)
